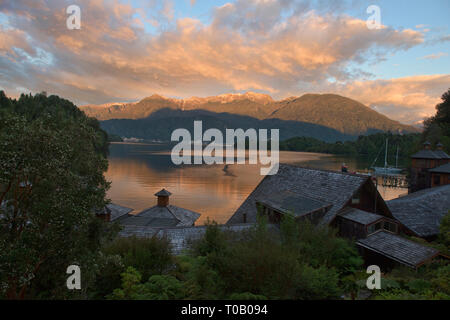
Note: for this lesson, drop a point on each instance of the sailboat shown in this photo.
(386, 170)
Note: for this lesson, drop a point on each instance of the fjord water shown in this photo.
(138, 171)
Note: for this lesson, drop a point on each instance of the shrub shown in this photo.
(149, 256)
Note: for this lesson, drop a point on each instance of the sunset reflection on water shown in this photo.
(137, 171)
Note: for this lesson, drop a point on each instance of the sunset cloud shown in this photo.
(279, 47)
(435, 56)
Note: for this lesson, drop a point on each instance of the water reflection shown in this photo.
(137, 171)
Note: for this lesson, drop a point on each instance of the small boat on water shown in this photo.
(387, 170)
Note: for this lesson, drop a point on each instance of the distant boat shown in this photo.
(387, 170)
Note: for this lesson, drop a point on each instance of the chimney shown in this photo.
(104, 214)
(163, 198)
(427, 145)
(440, 146)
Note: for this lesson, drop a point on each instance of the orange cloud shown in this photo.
(408, 99)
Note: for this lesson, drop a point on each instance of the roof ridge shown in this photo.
(420, 193)
(324, 170)
(173, 214)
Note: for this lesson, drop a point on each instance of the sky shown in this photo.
(126, 50)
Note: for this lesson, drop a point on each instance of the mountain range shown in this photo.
(328, 117)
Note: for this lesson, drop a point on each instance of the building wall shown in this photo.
(420, 178)
(370, 200)
(350, 229)
(440, 179)
(373, 258)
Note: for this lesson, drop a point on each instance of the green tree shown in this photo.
(52, 160)
(437, 127)
(158, 287)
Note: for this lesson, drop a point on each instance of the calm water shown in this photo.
(137, 171)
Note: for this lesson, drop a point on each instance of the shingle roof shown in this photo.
(290, 202)
(157, 216)
(360, 216)
(425, 154)
(445, 168)
(179, 237)
(138, 231)
(422, 211)
(441, 154)
(163, 193)
(397, 248)
(329, 187)
(118, 211)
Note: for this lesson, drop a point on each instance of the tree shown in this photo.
(158, 287)
(444, 231)
(437, 127)
(52, 160)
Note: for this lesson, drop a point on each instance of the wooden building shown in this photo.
(162, 215)
(420, 213)
(390, 250)
(113, 212)
(440, 175)
(422, 163)
(349, 202)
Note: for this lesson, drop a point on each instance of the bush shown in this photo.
(150, 256)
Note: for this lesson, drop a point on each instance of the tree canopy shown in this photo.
(52, 160)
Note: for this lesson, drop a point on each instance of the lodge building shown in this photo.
(429, 168)
(352, 204)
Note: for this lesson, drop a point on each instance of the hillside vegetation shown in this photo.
(328, 111)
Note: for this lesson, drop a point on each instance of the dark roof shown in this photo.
(329, 187)
(445, 168)
(138, 231)
(289, 202)
(179, 237)
(441, 154)
(163, 193)
(117, 211)
(397, 248)
(159, 217)
(422, 211)
(425, 154)
(360, 216)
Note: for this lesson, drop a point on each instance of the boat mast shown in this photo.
(396, 159)
(385, 154)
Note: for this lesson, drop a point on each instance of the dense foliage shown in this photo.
(437, 127)
(296, 261)
(370, 147)
(300, 262)
(52, 159)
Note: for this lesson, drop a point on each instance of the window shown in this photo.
(355, 199)
(436, 179)
(374, 227)
(389, 226)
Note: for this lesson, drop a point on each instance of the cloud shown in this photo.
(408, 99)
(279, 47)
(435, 56)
